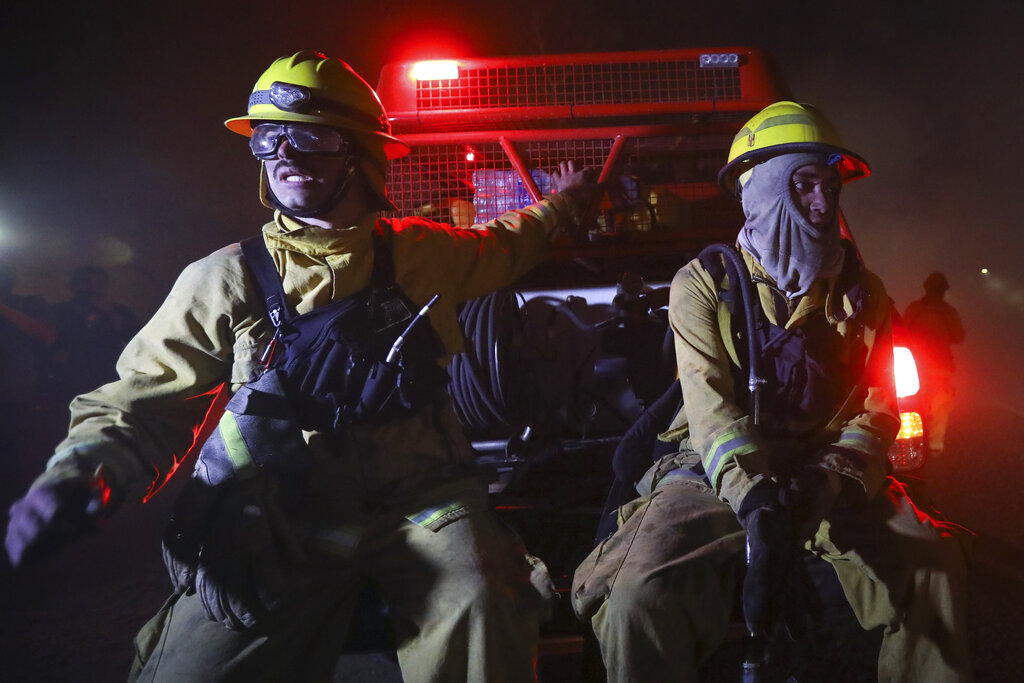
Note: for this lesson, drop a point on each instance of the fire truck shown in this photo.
(576, 350)
(573, 353)
(559, 366)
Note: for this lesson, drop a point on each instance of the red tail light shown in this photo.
(905, 371)
(909, 451)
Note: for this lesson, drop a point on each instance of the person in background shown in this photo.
(92, 331)
(934, 327)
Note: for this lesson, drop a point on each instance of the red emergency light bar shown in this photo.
(505, 90)
(435, 70)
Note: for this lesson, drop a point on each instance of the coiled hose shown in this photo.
(482, 387)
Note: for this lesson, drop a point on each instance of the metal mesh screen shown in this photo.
(666, 182)
(579, 84)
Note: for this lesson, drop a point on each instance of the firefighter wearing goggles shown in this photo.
(320, 106)
(786, 455)
(286, 516)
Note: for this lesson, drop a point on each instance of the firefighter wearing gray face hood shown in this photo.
(793, 251)
(756, 471)
(339, 460)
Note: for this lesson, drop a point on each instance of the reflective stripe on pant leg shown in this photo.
(437, 516)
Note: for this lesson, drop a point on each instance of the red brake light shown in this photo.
(905, 371)
(435, 70)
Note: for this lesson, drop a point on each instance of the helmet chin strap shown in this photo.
(344, 185)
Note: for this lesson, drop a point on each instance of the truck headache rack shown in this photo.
(514, 90)
(486, 134)
(537, 85)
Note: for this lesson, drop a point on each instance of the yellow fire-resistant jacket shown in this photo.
(212, 328)
(712, 423)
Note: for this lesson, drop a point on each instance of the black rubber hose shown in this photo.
(481, 376)
(739, 274)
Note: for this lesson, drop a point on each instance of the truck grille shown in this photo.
(579, 84)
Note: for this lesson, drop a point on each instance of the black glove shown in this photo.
(809, 497)
(777, 590)
(233, 546)
(52, 515)
(189, 524)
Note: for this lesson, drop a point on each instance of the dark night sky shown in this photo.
(115, 152)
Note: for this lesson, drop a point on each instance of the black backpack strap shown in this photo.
(850, 279)
(383, 257)
(268, 281)
(713, 259)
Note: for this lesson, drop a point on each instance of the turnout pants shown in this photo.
(465, 601)
(940, 393)
(660, 591)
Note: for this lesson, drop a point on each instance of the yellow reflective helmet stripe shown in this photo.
(775, 122)
(783, 128)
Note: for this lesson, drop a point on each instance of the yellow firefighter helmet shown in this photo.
(312, 88)
(309, 87)
(784, 128)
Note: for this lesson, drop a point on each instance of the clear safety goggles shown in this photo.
(310, 138)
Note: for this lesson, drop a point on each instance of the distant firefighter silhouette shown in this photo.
(934, 327)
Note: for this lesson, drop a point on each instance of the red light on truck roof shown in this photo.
(435, 70)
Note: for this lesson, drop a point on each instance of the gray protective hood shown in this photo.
(792, 251)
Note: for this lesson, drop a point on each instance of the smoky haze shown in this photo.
(115, 153)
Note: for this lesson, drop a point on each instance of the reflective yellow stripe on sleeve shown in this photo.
(859, 439)
(723, 451)
(234, 444)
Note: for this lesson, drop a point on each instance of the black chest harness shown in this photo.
(784, 376)
(367, 357)
(364, 358)
(799, 375)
